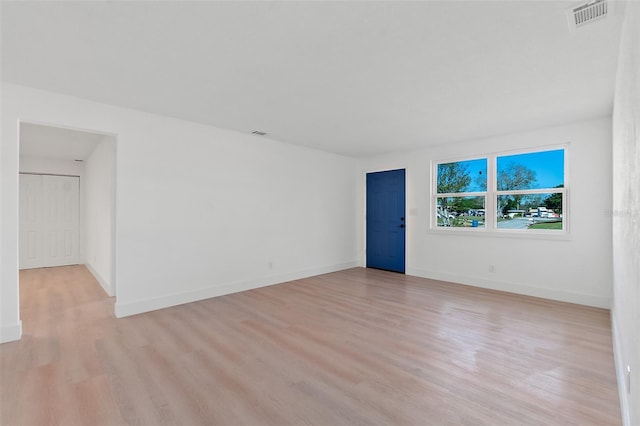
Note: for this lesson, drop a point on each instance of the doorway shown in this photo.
(385, 218)
(67, 174)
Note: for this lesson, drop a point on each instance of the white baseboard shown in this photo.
(621, 373)
(11, 333)
(545, 293)
(146, 305)
(106, 286)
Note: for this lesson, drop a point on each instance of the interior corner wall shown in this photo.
(10, 325)
(576, 270)
(626, 217)
(200, 211)
(98, 201)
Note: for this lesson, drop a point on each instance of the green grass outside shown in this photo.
(546, 225)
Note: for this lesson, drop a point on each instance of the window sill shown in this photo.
(503, 233)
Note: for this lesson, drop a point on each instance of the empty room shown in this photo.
(320, 212)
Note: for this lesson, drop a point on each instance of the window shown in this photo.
(530, 190)
(520, 192)
(462, 193)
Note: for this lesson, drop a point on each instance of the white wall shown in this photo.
(575, 270)
(626, 215)
(200, 211)
(98, 201)
(10, 325)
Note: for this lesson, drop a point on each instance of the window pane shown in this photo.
(461, 212)
(539, 211)
(462, 176)
(531, 171)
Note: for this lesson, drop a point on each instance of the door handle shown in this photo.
(402, 226)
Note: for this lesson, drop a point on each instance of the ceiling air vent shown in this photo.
(258, 133)
(585, 13)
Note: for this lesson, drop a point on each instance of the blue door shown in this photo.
(386, 220)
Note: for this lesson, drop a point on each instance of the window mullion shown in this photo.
(532, 191)
(461, 194)
(491, 206)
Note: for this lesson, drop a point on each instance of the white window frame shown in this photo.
(492, 194)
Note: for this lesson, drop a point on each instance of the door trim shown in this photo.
(47, 174)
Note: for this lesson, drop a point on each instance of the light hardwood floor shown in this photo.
(353, 347)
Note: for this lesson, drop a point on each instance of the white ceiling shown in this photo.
(355, 78)
(53, 142)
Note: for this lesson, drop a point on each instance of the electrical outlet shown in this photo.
(492, 268)
(270, 264)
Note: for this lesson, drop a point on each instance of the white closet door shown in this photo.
(31, 222)
(49, 220)
(62, 219)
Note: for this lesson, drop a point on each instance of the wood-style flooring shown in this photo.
(357, 347)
